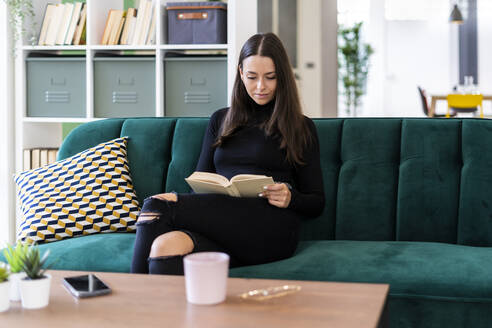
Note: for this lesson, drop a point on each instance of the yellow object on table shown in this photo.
(464, 101)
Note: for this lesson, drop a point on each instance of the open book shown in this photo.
(241, 185)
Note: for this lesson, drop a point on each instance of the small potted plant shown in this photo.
(4, 289)
(35, 287)
(14, 258)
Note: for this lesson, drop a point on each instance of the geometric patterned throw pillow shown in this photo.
(87, 193)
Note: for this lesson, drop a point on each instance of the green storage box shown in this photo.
(56, 86)
(195, 86)
(124, 86)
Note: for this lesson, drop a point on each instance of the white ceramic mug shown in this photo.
(206, 277)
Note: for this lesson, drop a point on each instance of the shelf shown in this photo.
(51, 48)
(47, 131)
(193, 47)
(123, 47)
(58, 119)
(130, 47)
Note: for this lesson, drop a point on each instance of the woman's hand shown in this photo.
(278, 194)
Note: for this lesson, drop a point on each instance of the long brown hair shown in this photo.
(287, 121)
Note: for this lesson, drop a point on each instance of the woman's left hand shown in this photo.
(278, 194)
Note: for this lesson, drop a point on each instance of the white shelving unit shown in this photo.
(32, 132)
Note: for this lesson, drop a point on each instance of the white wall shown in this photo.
(329, 63)
(417, 53)
(7, 196)
(419, 48)
(484, 28)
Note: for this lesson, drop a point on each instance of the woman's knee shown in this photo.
(172, 243)
(153, 207)
(169, 196)
(148, 216)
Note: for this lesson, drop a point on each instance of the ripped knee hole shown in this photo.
(147, 217)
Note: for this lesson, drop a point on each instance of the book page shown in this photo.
(246, 177)
(210, 177)
(207, 187)
(251, 187)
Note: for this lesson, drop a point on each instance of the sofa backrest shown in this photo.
(385, 178)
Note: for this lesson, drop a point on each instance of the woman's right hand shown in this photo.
(278, 194)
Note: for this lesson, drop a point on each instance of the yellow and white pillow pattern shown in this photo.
(87, 193)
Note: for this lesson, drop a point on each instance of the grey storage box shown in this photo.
(197, 22)
(195, 86)
(56, 86)
(124, 86)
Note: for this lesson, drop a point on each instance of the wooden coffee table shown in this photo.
(154, 300)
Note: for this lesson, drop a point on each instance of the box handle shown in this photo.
(195, 81)
(57, 96)
(182, 16)
(121, 97)
(197, 97)
(61, 82)
(121, 81)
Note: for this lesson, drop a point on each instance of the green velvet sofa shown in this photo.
(408, 203)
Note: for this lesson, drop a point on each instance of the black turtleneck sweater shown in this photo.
(250, 151)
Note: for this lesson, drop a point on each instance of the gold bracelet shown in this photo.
(270, 292)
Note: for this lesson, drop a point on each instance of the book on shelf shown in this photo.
(34, 158)
(26, 160)
(52, 153)
(151, 34)
(73, 22)
(116, 40)
(48, 16)
(43, 157)
(107, 27)
(54, 25)
(116, 26)
(241, 185)
(147, 17)
(131, 14)
(144, 17)
(64, 24)
(79, 35)
(138, 25)
(131, 30)
(113, 27)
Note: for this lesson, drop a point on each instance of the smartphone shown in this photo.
(86, 286)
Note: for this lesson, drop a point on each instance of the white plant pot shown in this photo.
(14, 285)
(35, 294)
(4, 296)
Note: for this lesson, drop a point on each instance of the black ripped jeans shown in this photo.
(250, 230)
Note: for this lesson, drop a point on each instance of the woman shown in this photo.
(263, 132)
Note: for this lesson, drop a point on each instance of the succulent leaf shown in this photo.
(15, 255)
(33, 265)
(4, 273)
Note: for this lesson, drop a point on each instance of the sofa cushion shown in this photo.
(475, 199)
(411, 268)
(90, 134)
(187, 144)
(87, 193)
(149, 153)
(107, 253)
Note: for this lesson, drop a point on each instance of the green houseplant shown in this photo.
(18, 12)
(14, 257)
(353, 63)
(4, 289)
(35, 287)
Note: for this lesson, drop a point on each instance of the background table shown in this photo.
(435, 98)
